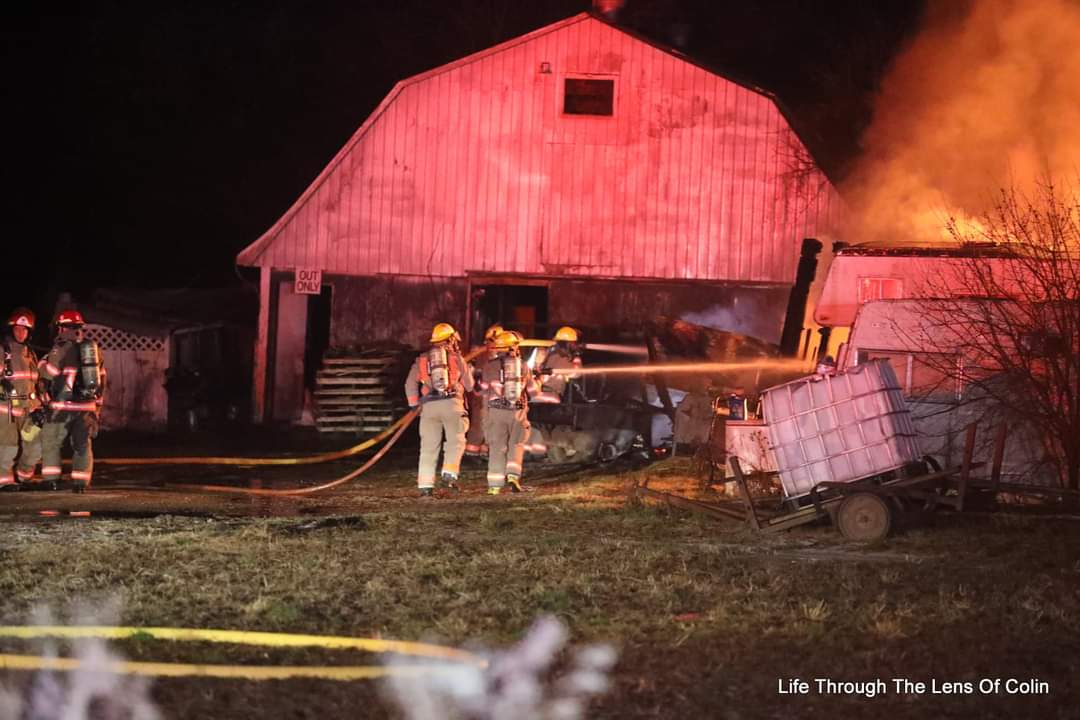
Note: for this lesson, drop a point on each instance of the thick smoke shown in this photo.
(747, 315)
(986, 97)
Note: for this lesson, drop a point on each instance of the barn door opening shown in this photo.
(318, 333)
(516, 307)
(290, 339)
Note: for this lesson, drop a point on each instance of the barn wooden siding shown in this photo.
(473, 167)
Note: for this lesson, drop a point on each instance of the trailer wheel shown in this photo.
(864, 517)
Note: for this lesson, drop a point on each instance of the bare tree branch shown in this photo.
(1009, 306)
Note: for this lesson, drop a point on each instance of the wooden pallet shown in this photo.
(361, 394)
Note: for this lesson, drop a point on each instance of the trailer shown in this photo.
(866, 510)
(845, 450)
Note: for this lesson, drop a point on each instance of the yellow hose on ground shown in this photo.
(242, 637)
(235, 672)
(404, 423)
(235, 637)
(306, 460)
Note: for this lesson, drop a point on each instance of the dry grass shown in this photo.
(707, 616)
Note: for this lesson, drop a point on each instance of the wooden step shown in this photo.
(361, 401)
(350, 428)
(359, 416)
(347, 372)
(351, 391)
(377, 362)
(360, 393)
(350, 381)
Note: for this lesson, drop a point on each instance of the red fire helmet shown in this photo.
(70, 317)
(23, 318)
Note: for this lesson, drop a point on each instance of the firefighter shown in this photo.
(474, 441)
(437, 383)
(564, 355)
(73, 381)
(507, 384)
(20, 408)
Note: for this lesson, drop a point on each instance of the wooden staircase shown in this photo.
(361, 393)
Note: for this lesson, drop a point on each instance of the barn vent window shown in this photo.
(584, 96)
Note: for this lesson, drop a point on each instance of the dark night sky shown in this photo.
(147, 145)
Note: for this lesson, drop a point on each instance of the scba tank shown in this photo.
(512, 372)
(89, 378)
(439, 369)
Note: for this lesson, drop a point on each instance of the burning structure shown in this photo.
(579, 175)
(981, 330)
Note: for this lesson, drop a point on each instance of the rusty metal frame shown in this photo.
(927, 488)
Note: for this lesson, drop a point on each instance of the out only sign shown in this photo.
(308, 282)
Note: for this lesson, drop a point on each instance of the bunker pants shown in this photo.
(19, 438)
(506, 432)
(438, 418)
(474, 440)
(63, 425)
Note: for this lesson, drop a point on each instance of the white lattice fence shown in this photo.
(136, 366)
(109, 338)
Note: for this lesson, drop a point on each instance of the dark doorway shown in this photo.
(516, 307)
(318, 333)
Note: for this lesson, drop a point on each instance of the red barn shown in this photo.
(578, 175)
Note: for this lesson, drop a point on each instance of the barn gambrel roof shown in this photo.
(472, 167)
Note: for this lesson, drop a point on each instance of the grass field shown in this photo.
(707, 617)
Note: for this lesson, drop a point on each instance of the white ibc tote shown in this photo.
(839, 427)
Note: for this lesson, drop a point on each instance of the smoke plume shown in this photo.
(986, 97)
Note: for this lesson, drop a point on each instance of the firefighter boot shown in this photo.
(514, 482)
(78, 487)
(427, 492)
(449, 481)
(494, 490)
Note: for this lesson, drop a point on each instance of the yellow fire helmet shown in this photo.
(442, 332)
(507, 340)
(566, 334)
(492, 332)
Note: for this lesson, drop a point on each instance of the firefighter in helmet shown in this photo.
(564, 355)
(474, 440)
(73, 385)
(506, 383)
(20, 408)
(437, 383)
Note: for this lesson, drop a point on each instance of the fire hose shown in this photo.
(305, 460)
(393, 432)
(253, 461)
(454, 656)
(400, 425)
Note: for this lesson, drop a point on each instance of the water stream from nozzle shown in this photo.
(620, 349)
(783, 364)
